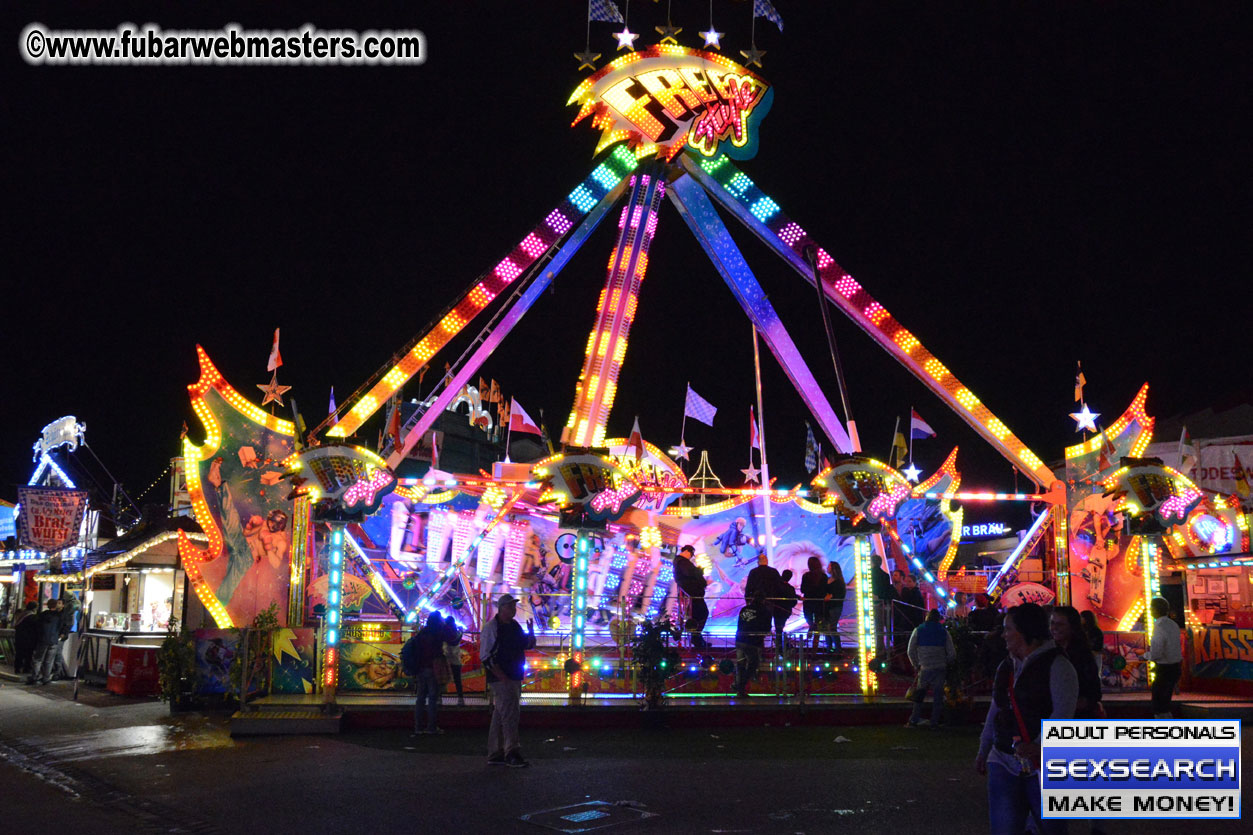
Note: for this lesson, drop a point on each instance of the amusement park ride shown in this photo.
(674, 122)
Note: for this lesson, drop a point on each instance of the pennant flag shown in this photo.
(1242, 481)
(494, 393)
(393, 427)
(1187, 452)
(636, 441)
(919, 428)
(330, 409)
(1080, 382)
(276, 359)
(483, 391)
(435, 450)
(520, 421)
(811, 449)
(604, 10)
(1108, 453)
(754, 437)
(900, 448)
(766, 9)
(699, 408)
(183, 434)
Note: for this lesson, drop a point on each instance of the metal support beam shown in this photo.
(702, 218)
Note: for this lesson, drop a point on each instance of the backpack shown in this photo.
(409, 657)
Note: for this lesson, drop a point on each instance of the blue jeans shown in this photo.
(428, 691)
(930, 680)
(1011, 798)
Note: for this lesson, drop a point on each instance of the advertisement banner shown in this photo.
(50, 518)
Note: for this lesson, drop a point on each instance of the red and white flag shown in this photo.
(276, 359)
(754, 437)
(636, 440)
(520, 421)
(919, 428)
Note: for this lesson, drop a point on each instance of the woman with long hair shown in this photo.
(837, 590)
(1066, 628)
(814, 593)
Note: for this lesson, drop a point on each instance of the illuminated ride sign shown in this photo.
(863, 487)
(1148, 490)
(672, 97)
(343, 478)
(594, 483)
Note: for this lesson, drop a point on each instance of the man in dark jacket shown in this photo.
(47, 642)
(750, 636)
(430, 645)
(763, 580)
(502, 648)
(69, 616)
(691, 581)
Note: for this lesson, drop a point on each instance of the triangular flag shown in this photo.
(493, 392)
(900, 448)
(393, 427)
(1187, 453)
(811, 449)
(604, 10)
(276, 359)
(766, 9)
(636, 441)
(1105, 459)
(520, 421)
(330, 409)
(1080, 382)
(483, 390)
(754, 437)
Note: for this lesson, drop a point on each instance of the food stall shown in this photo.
(1218, 654)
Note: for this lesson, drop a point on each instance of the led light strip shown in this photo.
(603, 179)
(1150, 569)
(1034, 533)
(867, 643)
(334, 610)
(119, 560)
(381, 587)
(751, 205)
(299, 556)
(578, 606)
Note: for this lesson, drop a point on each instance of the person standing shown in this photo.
(503, 646)
(68, 614)
(764, 579)
(1166, 654)
(1094, 636)
(1036, 682)
(750, 637)
(430, 646)
(837, 591)
(782, 606)
(814, 596)
(930, 650)
(452, 654)
(1066, 628)
(25, 636)
(910, 611)
(47, 642)
(691, 581)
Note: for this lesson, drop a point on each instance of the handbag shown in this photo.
(1028, 767)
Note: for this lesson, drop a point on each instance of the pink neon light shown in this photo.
(507, 271)
(515, 545)
(723, 116)
(1179, 505)
(791, 233)
(558, 222)
(532, 246)
(651, 226)
(825, 260)
(875, 312)
(847, 287)
(884, 505)
(367, 490)
(614, 498)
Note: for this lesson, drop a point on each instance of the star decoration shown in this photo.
(668, 32)
(626, 39)
(587, 59)
(682, 450)
(753, 55)
(273, 391)
(911, 472)
(1085, 419)
(712, 38)
(752, 475)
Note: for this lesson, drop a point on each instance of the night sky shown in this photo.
(1022, 185)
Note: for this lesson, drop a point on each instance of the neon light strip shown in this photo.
(119, 560)
(1135, 413)
(739, 195)
(702, 218)
(299, 555)
(334, 608)
(615, 313)
(971, 496)
(501, 329)
(1149, 568)
(578, 604)
(1028, 542)
(867, 643)
(603, 180)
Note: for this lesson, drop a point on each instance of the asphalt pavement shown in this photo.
(126, 765)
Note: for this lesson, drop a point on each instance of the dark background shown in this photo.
(1022, 185)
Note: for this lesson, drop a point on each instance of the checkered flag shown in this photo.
(604, 10)
(811, 449)
(766, 9)
(699, 408)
